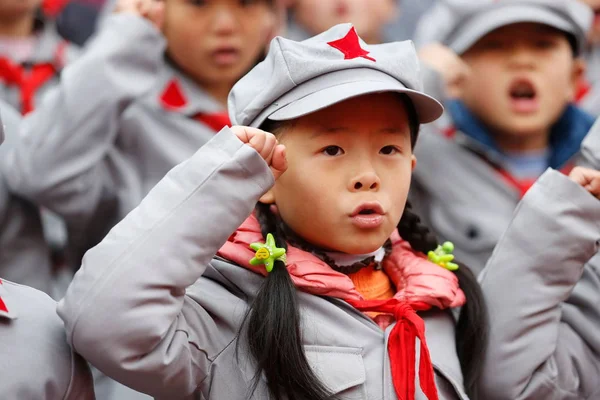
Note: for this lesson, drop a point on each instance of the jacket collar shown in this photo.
(7, 306)
(565, 138)
(416, 279)
(179, 94)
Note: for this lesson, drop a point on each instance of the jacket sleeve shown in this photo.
(535, 353)
(590, 150)
(126, 311)
(60, 159)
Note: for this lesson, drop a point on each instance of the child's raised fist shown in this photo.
(266, 145)
(152, 10)
(448, 64)
(588, 178)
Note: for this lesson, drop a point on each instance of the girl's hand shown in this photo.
(152, 10)
(588, 178)
(448, 64)
(266, 145)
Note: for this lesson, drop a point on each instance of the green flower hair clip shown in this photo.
(267, 253)
(443, 256)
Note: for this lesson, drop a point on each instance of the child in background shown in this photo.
(311, 17)
(150, 89)
(35, 359)
(511, 110)
(32, 57)
(171, 304)
(24, 254)
(513, 117)
(32, 54)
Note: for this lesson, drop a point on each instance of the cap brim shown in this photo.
(482, 24)
(428, 109)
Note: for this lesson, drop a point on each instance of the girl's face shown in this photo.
(367, 16)
(349, 171)
(217, 41)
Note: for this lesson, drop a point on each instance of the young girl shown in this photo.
(173, 304)
(139, 101)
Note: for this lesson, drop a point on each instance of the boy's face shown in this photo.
(15, 8)
(355, 153)
(367, 16)
(522, 77)
(217, 41)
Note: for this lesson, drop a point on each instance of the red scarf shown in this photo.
(173, 98)
(2, 304)
(29, 81)
(421, 285)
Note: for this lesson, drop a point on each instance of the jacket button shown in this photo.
(472, 232)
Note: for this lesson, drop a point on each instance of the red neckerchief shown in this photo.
(173, 98)
(402, 345)
(29, 80)
(410, 272)
(52, 8)
(521, 185)
(583, 88)
(2, 304)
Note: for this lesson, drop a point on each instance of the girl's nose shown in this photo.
(365, 181)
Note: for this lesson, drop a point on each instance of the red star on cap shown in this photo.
(350, 46)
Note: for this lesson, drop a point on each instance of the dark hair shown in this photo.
(273, 329)
(274, 314)
(472, 325)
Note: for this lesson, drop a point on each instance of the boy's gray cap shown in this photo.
(459, 24)
(299, 78)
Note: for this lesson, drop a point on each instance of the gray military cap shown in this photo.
(298, 78)
(459, 24)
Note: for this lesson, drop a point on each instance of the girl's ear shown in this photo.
(268, 198)
(414, 162)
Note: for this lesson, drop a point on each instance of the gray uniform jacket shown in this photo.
(542, 284)
(24, 254)
(152, 308)
(102, 138)
(36, 363)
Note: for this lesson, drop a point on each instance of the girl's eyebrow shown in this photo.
(328, 131)
(341, 129)
(393, 130)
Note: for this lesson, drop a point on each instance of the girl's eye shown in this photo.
(333, 151)
(388, 150)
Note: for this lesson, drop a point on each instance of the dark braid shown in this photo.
(472, 325)
(273, 329)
